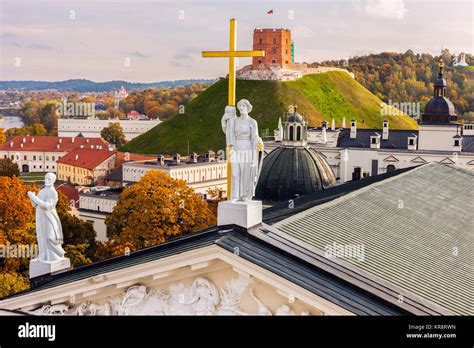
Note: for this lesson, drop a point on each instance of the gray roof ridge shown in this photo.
(348, 195)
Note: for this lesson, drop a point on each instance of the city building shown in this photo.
(86, 166)
(200, 172)
(91, 127)
(95, 206)
(40, 153)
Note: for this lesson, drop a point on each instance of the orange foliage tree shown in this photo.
(154, 210)
(16, 228)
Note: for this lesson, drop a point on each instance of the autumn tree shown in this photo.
(3, 136)
(36, 129)
(113, 134)
(155, 209)
(8, 168)
(16, 228)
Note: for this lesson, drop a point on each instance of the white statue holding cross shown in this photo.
(244, 148)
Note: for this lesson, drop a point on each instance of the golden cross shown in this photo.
(232, 54)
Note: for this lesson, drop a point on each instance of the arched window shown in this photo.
(291, 133)
(298, 133)
(390, 168)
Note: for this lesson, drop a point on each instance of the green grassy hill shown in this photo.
(319, 97)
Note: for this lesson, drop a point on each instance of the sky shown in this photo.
(148, 41)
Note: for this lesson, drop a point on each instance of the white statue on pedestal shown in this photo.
(49, 231)
(246, 150)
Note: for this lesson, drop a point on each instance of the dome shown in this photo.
(440, 106)
(295, 118)
(291, 171)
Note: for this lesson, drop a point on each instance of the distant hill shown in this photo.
(322, 96)
(81, 85)
(408, 77)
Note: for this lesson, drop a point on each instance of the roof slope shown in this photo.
(416, 228)
(49, 143)
(86, 158)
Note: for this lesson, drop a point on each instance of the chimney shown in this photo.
(210, 156)
(21, 145)
(375, 141)
(77, 157)
(353, 129)
(177, 158)
(385, 130)
(82, 146)
(24, 140)
(11, 144)
(412, 142)
(160, 159)
(72, 140)
(343, 122)
(32, 140)
(194, 157)
(333, 125)
(57, 146)
(60, 140)
(92, 146)
(87, 141)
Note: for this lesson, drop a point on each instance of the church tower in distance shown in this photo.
(277, 46)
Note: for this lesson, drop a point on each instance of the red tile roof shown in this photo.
(86, 158)
(127, 157)
(49, 143)
(71, 193)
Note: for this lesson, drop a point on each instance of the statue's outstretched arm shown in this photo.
(46, 205)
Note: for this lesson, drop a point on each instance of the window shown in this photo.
(273, 61)
(34, 158)
(260, 41)
(298, 133)
(274, 51)
(374, 140)
(47, 158)
(24, 157)
(259, 61)
(274, 41)
(411, 141)
(456, 142)
(53, 158)
(291, 133)
(40, 158)
(390, 168)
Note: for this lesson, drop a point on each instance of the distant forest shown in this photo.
(81, 85)
(408, 77)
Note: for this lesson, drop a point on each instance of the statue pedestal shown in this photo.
(244, 214)
(39, 268)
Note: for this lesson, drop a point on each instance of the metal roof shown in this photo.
(417, 231)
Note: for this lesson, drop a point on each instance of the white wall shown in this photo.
(439, 137)
(92, 127)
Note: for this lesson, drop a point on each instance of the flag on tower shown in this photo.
(270, 12)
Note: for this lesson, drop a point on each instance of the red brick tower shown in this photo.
(277, 46)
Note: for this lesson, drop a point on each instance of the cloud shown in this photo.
(41, 47)
(137, 54)
(388, 9)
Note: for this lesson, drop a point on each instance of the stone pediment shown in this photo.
(391, 159)
(204, 281)
(418, 160)
(447, 160)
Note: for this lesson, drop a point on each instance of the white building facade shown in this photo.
(70, 127)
